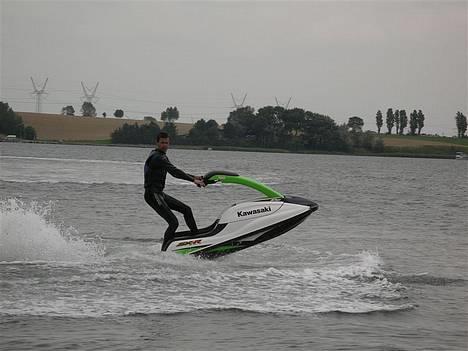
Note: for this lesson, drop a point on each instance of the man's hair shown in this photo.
(162, 135)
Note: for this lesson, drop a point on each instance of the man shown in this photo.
(156, 167)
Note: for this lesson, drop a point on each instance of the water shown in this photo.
(380, 266)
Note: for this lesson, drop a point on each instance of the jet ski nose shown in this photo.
(313, 206)
(301, 201)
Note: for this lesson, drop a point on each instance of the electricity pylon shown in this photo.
(39, 93)
(89, 94)
(236, 104)
(285, 106)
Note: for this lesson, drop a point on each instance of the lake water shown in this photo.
(382, 265)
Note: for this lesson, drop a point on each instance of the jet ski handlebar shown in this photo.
(207, 180)
(234, 178)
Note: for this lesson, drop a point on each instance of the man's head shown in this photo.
(162, 141)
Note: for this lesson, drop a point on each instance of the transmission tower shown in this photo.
(39, 93)
(236, 104)
(285, 106)
(89, 94)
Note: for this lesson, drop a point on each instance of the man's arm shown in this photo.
(174, 171)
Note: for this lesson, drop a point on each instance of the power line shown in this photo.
(88, 92)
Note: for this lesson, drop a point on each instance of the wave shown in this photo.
(91, 182)
(131, 239)
(213, 310)
(54, 181)
(71, 160)
(239, 310)
(425, 279)
(28, 236)
(136, 273)
(205, 287)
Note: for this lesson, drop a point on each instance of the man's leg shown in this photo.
(179, 206)
(157, 202)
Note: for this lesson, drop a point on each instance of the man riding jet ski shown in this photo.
(240, 226)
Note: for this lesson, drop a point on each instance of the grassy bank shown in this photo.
(412, 140)
(424, 146)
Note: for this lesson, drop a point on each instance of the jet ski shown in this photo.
(244, 224)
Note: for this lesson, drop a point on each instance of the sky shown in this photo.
(338, 58)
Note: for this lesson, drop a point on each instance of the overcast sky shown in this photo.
(341, 59)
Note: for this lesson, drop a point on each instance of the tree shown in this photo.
(171, 129)
(413, 122)
(322, 133)
(356, 124)
(10, 122)
(368, 140)
(239, 124)
(379, 145)
(149, 119)
(88, 109)
(29, 133)
(118, 113)
(420, 121)
(170, 115)
(269, 127)
(68, 110)
(204, 133)
(135, 134)
(149, 132)
(293, 120)
(396, 116)
(104, 114)
(403, 121)
(460, 118)
(379, 120)
(390, 120)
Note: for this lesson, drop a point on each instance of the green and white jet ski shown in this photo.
(244, 224)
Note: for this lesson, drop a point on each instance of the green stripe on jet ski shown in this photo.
(223, 248)
(251, 183)
(188, 250)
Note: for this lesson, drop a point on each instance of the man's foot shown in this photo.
(165, 244)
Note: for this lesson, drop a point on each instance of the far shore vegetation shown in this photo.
(277, 129)
(12, 124)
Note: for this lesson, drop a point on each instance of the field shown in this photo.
(54, 127)
(411, 141)
(424, 145)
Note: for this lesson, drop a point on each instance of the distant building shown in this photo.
(11, 137)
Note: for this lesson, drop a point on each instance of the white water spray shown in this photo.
(27, 236)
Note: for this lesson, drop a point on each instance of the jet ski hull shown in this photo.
(244, 225)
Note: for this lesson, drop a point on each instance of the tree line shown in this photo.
(146, 133)
(12, 124)
(399, 120)
(88, 110)
(268, 127)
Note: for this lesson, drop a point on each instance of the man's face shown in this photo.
(163, 144)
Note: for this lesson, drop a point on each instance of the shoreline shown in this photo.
(245, 149)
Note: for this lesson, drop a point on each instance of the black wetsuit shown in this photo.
(156, 167)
